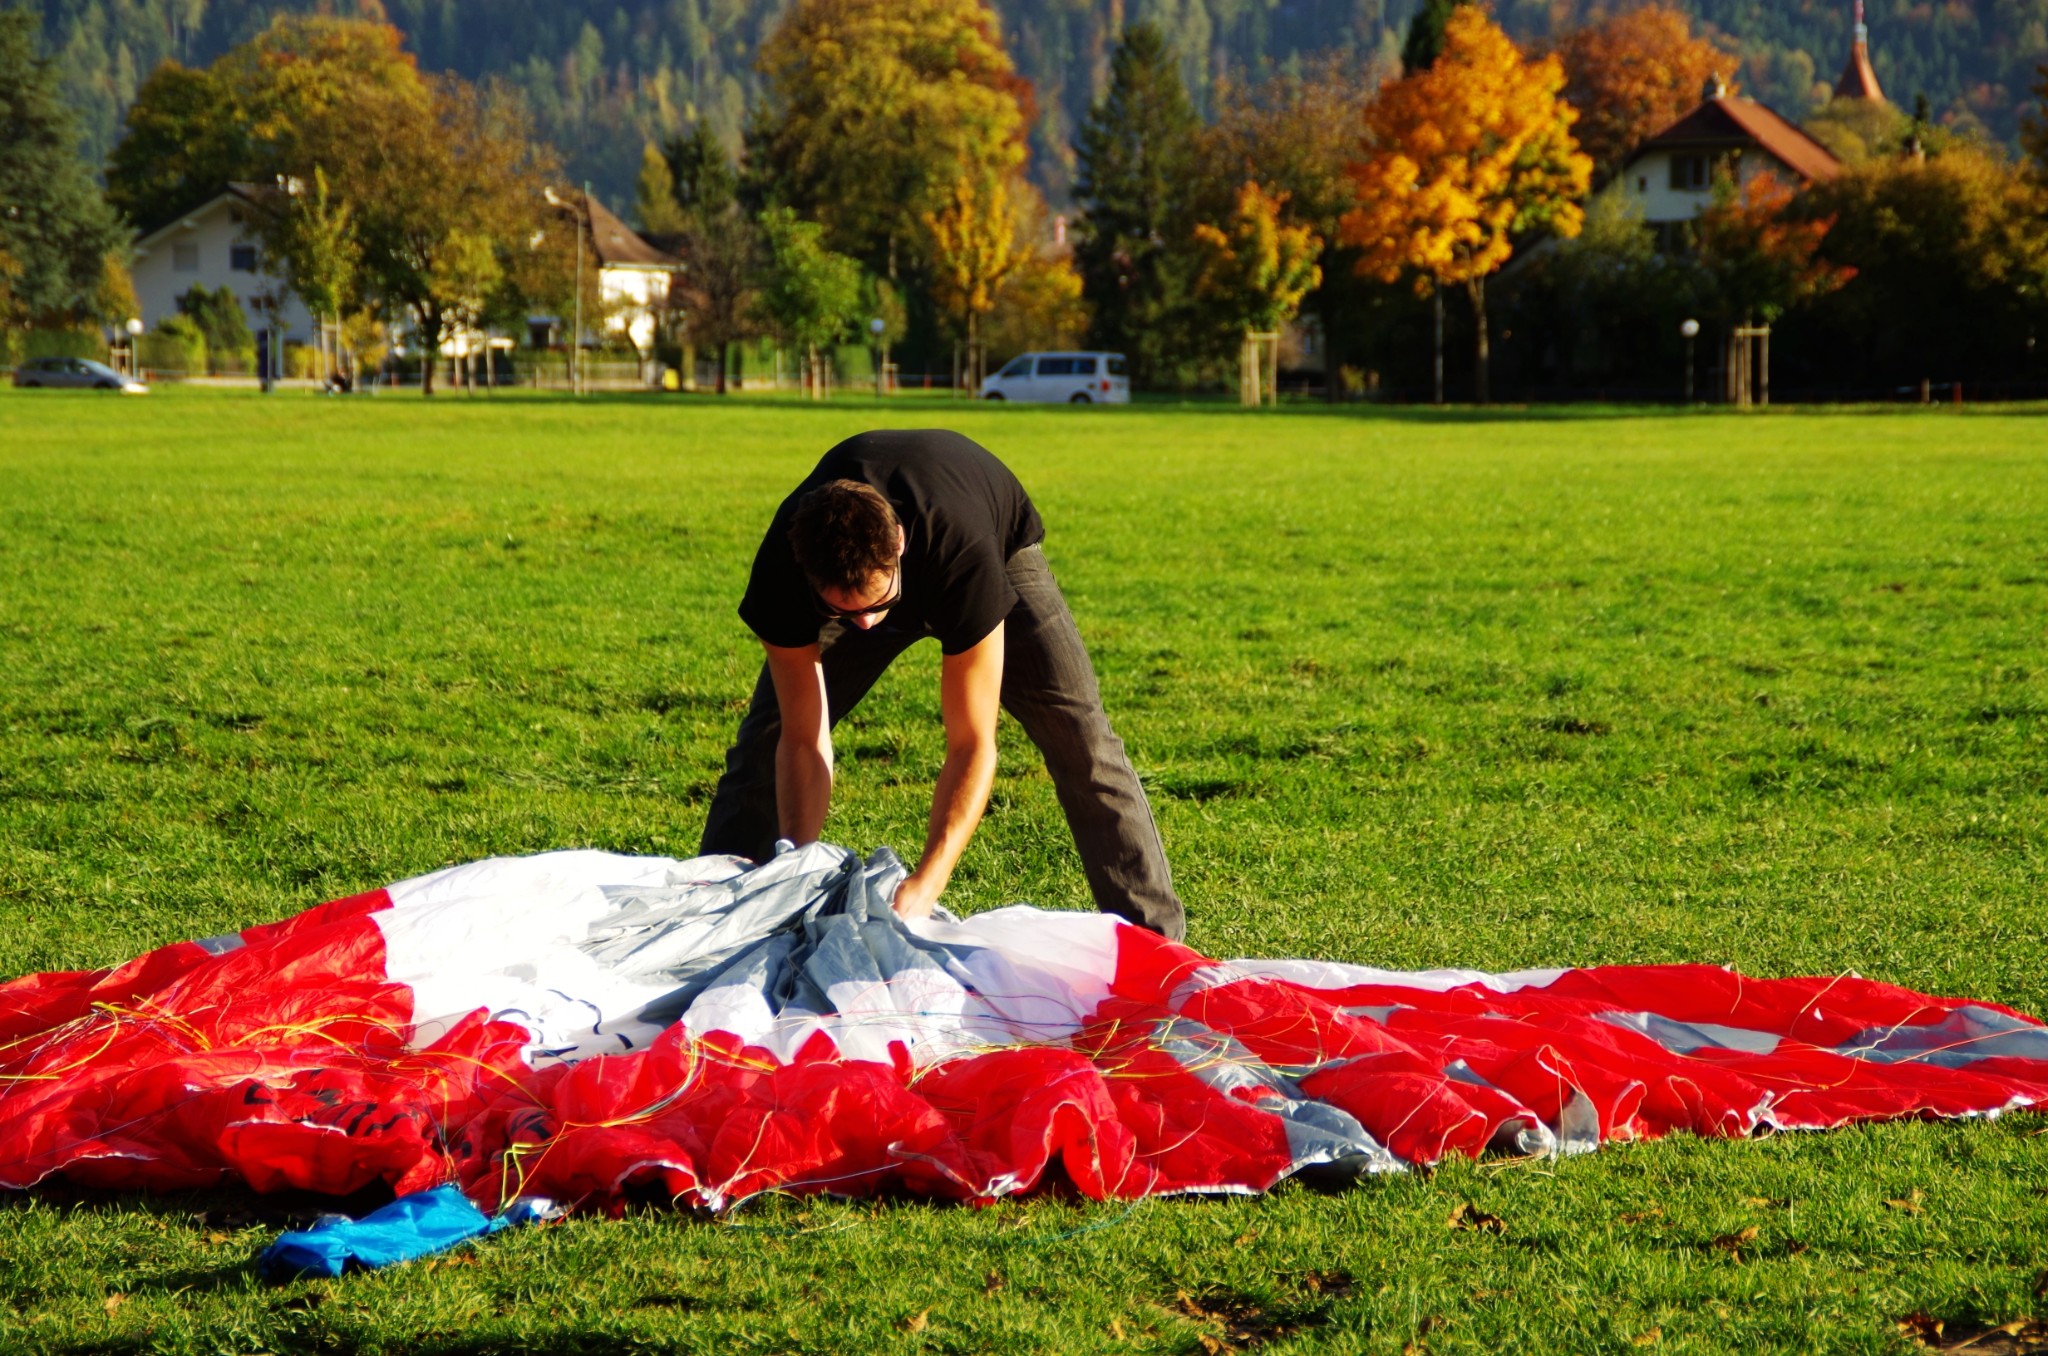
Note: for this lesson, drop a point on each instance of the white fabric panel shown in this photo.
(1335, 975)
(502, 934)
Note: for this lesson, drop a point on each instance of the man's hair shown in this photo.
(843, 534)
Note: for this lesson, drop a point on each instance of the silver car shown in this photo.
(77, 372)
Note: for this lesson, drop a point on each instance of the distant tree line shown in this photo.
(882, 191)
(603, 77)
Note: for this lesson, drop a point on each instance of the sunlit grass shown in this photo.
(1407, 688)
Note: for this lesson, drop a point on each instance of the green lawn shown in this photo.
(1408, 688)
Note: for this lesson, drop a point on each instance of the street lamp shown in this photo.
(877, 327)
(1690, 328)
(134, 328)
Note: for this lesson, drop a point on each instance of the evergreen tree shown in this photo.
(701, 173)
(1426, 35)
(56, 230)
(1136, 176)
(654, 194)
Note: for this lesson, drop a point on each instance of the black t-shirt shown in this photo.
(963, 514)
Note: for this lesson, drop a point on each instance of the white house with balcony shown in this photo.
(213, 246)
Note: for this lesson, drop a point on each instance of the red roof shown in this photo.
(1725, 123)
(1859, 79)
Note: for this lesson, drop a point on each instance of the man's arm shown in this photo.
(970, 691)
(803, 754)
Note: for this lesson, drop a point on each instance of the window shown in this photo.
(1084, 367)
(242, 258)
(185, 258)
(1019, 367)
(1055, 367)
(1117, 366)
(1689, 173)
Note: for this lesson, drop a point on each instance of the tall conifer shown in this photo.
(1137, 167)
(55, 227)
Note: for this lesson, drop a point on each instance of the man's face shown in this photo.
(865, 607)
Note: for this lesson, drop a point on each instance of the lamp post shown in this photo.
(878, 327)
(1690, 328)
(134, 328)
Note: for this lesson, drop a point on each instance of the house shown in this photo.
(214, 246)
(1672, 174)
(633, 276)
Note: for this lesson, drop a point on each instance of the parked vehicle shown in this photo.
(75, 372)
(1063, 378)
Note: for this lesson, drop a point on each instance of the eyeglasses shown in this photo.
(831, 613)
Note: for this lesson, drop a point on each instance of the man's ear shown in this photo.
(901, 539)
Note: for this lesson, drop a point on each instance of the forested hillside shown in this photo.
(603, 76)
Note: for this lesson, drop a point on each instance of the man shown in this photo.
(897, 536)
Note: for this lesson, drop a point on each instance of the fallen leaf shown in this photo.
(1243, 1239)
(1648, 1339)
(114, 1302)
(1469, 1216)
(992, 1283)
(1212, 1345)
(1641, 1216)
(1116, 1329)
(918, 1322)
(216, 1238)
(1734, 1243)
(1921, 1328)
(1911, 1205)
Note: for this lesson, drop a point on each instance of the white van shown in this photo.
(1063, 378)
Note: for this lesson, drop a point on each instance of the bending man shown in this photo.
(894, 537)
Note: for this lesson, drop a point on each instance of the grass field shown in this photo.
(1412, 689)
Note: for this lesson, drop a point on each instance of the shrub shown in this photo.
(175, 345)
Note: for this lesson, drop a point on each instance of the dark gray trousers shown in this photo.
(1048, 686)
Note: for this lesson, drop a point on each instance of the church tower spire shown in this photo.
(1858, 79)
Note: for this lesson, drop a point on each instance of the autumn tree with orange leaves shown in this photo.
(1762, 257)
(1462, 159)
(1631, 75)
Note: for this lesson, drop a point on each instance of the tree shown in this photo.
(1630, 75)
(1425, 41)
(1135, 188)
(186, 139)
(810, 295)
(1764, 257)
(1255, 269)
(701, 173)
(313, 234)
(56, 229)
(1461, 159)
(654, 195)
(1949, 254)
(1761, 258)
(1297, 134)
(875, 108)
(721, 247)
(1254, 273)
(424, 175)
(1040, 305)
(973, 251)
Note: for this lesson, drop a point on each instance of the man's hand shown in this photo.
(916, 895)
